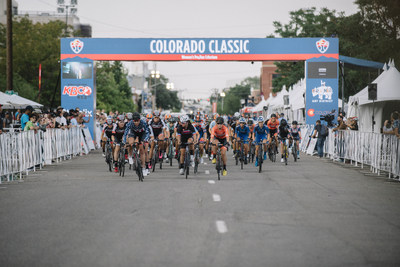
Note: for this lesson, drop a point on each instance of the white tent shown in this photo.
(388, 100)
(260, 106)
(15, 101)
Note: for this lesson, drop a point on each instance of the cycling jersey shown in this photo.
(185, 133)
(108, 130)
(208, 131)
(261, 133)
(118, 133)
(283, 132)
(142, 131)
(220, 133)
(243, 133)
(273, 125)
(201, 128)
(156, 128)
(295, 132)
(212, 124)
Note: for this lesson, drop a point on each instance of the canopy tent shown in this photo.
(15, 101)
(388, 100)
(361, 62)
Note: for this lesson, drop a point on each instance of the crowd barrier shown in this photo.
(381, 152)
(21, 152)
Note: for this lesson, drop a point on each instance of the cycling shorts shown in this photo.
(222, 141)
(296, 137)
(140, 136)
(273, 132)
(260, 138)
(244, 139)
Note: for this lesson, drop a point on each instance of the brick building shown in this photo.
(268, 73)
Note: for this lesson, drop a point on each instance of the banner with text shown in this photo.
(78, 88)
(322, 94)
(199, 49)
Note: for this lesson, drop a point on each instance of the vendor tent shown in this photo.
(388, 100)
(15, 102)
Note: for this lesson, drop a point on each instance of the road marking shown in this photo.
(216, 198)
(221, 227)
(3, 187)
(205, 163)
(207, 172)
(211, 181)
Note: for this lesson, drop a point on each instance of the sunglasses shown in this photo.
(136, 120)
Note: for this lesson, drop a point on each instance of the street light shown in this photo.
(170, 86)
(62, 6)
(156, 75)
(222, 94)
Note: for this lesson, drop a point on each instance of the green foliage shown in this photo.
(33, 44)
(232, 97)
(113, 91)
(372, 33)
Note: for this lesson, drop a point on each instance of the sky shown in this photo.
(187, 18)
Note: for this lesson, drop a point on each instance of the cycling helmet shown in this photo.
(197, 118)
(121, 117)
(242, 120)
(136, 116)
(216, 115)
(149, 116)
(283, 122)
(273, 115)
(220, 120)
(250, 122)
(184, 118)
(167, 117)
(260, 119)
(129, 115)
(237, 115)
(294, 122)
(156, 113)
(109, 120)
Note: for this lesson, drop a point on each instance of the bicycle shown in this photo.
(109, 156)
(252, 150)
(260, 156)
(294, 149)
(170, 154)
(240, 154)
(285, 149)
(121, 160)
(137, 164)
(273, 150)
(157, 156)
(196, 157)
(186, 163)
(218, 156)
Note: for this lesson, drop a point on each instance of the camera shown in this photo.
(328, 118)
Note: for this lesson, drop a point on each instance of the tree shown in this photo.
(33, 44)
(113, 91)
(165, 99)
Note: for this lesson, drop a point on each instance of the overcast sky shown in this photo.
(186, 18)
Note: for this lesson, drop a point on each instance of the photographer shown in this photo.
(321, 132)
(341, 124)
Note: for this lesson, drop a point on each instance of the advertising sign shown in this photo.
(77, 87)
(199, 49)
(322, 94)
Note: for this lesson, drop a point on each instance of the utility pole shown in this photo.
(9, 47)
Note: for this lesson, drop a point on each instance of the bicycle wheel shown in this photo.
(285, 154)
(237, 157)
(219, 165)
(153, 160)
(294, 152)
(196, 160)
(242, 156)
(109, 158)
(260, 158)
(187, 163)
(121, 164)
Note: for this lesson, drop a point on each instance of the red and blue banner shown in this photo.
(199, 49)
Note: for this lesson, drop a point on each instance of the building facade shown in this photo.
(268, 73)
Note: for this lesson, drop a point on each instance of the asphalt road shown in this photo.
(309, 213)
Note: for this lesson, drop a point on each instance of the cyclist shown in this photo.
(170, 127)
(211, 125)
(137, 130)
(187, 136)
(117, 135)
(272, 125)
(296, 136)
(220, 135)
(201, 129)
(242, 133)
(260, 136)
(283, 135)
(158, 130)
(149, 117)
(207, 131)
(233, 125)
(128, 117)
(106, 133)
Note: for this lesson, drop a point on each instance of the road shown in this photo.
(309, 213)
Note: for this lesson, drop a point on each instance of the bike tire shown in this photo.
(286, 155)
(294, 150)
(196, 160)
(219, 166)
(260, 159)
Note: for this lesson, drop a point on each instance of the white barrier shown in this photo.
(21, 152)
(379, 151)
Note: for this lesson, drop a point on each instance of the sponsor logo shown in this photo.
(77, 90)
(76, 46)
(310, 112)
(322, 45)
(323, 92)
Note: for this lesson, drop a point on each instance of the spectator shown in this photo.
(341, 124)
(62, 121)
(31, 124)
(321, 132)
(73, 113)
(387, 127)
(281, 116)
(25, 116)
(81, 119)
(17, 115)
(352, 124)
(7, 120)
(395, 117)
